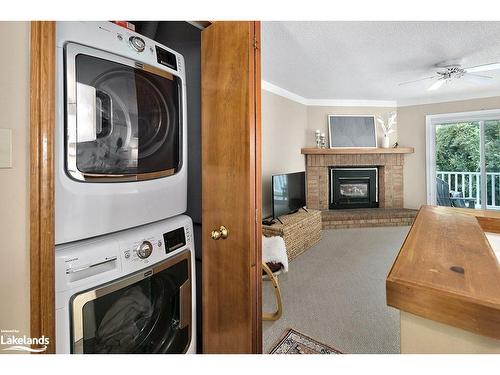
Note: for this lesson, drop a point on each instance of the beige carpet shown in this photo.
(335, 292)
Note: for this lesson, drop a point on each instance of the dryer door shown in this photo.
(149, 312)
(123, 118)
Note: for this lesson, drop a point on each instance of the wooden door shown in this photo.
(231, 178)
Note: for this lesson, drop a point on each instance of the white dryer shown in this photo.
(121, 147)
(128, 292)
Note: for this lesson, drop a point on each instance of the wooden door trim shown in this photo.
(42, 125)
(256, 92)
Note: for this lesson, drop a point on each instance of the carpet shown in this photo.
(293, 342)
(335, 292)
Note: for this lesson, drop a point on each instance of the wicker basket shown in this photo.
(300, 230)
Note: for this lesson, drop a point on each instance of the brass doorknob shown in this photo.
(223, 232)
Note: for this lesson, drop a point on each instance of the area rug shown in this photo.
(293, 342)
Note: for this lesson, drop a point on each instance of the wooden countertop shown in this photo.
(447, 271)
(357, 150)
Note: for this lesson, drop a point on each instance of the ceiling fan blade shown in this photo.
(437, 84)
(416, 81)
(483, 68)
(476, 78)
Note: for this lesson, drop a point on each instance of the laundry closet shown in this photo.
(122, 153)
(127, 187)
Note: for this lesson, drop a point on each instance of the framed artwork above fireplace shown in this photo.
(352, 131)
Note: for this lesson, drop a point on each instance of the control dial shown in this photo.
(137, 43)
(144, 250)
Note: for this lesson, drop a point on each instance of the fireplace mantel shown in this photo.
(357, 150)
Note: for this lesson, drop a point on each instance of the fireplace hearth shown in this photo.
(352, 187)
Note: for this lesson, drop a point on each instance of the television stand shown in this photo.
(300, 230)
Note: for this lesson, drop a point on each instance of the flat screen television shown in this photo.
(289, 193)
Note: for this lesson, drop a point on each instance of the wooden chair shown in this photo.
(277, 293)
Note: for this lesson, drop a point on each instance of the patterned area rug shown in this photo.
(293, 342)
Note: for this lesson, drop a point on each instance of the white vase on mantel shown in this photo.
(385, 141)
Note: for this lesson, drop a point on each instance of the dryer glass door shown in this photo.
(149, 312)
(123, 118)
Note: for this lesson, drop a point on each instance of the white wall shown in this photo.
(288, 126)
(411, 132)
(317, 118)
(14, 199)
(283, 135)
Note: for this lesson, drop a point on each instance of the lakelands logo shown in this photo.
(15, 342)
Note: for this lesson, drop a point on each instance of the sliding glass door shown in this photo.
(492, 162)
(463, 160)
(458, 166)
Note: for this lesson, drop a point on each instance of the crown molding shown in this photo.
(268, 86)
(372, 103)
(447, 99)
(351, 103)
(325, 102)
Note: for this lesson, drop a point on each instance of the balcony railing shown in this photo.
(469, 184)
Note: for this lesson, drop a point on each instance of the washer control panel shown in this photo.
(145, 249)
(91, 262)
(175, 239)
(140, 252)
(154, 248)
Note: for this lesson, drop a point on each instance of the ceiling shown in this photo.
(367, 60)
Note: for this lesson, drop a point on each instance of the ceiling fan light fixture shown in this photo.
(452, 70)
(437, 84)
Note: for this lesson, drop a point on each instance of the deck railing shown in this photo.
(469, 184)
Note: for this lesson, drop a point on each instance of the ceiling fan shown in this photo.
(451, 70)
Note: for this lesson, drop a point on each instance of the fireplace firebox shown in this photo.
(353, 187)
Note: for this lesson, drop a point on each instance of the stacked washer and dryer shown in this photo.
(124, 252)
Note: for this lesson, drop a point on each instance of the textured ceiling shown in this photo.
(367, 60)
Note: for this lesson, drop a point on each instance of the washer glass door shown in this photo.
(149, 312)
(123, 118)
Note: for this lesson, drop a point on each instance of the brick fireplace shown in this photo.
(389, 163)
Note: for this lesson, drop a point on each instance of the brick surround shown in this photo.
(390, 176)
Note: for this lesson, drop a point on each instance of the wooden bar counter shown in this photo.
(446, 282)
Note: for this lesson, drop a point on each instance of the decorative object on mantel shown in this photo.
(318, 138)
(395, 145)
(387, 128)
(323, 140)
(293, 342)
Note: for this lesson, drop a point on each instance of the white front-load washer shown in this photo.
(121, 145)
(128, 292)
